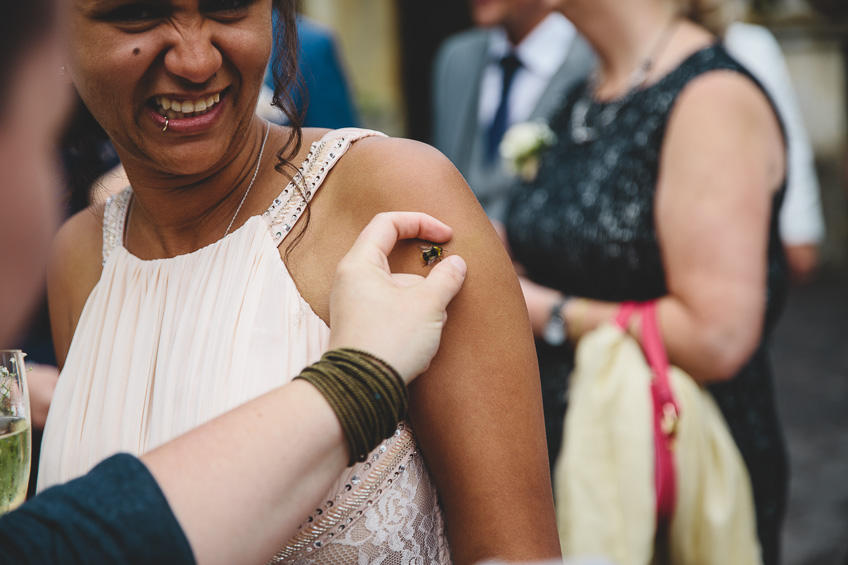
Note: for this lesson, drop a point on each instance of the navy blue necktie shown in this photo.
(509, 64)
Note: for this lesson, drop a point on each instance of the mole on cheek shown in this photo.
(136, 51)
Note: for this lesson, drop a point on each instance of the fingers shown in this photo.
(406, 279)
(445, 279)
(384, 230)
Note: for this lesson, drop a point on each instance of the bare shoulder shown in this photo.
(405, 173)
(74, 268)
(380, 174)
(723, 118)
(725, 86)
(384, 174)
(729, 101)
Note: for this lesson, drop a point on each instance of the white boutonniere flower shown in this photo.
(522, 146)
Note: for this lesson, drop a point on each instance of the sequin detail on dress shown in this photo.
(290, 204)
(113, 221)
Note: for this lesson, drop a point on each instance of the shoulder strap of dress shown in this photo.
(324, 154)
(114, 216)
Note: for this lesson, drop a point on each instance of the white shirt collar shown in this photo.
(544, 49)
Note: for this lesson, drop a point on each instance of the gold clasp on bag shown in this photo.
(668, 424)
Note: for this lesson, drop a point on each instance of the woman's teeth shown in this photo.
(175, 109)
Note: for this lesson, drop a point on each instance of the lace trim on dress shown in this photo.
(387, 510)
(323, 155)
(385, 465)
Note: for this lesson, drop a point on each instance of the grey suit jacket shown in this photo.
(457, 74)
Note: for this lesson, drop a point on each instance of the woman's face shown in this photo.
(197, 63)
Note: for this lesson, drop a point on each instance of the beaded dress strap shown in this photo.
(323, 155)
(114, 216)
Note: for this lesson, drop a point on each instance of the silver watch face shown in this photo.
(555, 331)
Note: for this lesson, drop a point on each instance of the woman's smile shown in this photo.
(187, 113)
(176, 109)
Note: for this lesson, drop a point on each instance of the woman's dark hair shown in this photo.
(87, 154)
(285, 74)
(284, 71)
(24, 23)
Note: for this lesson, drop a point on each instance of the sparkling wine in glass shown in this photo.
(15, 433)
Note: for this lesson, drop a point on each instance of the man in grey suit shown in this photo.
(515, 66)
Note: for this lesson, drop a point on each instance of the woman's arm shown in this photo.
(722, 159)
(231, 474)
(477, 413)
(73, 269)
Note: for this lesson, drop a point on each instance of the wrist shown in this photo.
(555, 332)
(366, 393)
(575, 312)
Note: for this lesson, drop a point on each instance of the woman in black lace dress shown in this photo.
(665, 183)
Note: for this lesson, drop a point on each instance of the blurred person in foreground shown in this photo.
(160, 509)
(802, 227)
(514, 67)
(665, 182)
(220, 261)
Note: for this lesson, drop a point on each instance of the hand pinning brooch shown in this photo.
(522, 147)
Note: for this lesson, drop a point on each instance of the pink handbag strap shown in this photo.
(666, 409)
(654, 348)
(625, 312)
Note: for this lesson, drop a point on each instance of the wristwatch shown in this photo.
(556, 330)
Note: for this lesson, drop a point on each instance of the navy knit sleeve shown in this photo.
(115, 514)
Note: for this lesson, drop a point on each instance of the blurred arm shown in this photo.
(802, 226)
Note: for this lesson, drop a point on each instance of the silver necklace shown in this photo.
(581, 131)
(255, 172)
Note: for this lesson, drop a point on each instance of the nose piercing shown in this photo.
(166, 125)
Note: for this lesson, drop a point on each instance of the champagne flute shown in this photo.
(15, 433)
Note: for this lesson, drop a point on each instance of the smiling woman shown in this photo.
(165, 298)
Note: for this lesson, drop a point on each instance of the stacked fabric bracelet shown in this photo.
(368, 396)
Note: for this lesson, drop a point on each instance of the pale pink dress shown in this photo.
(165, 345)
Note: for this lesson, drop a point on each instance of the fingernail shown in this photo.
(459, 263)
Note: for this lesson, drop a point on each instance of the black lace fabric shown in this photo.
(585, 226)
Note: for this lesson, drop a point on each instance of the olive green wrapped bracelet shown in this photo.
(368, 396)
